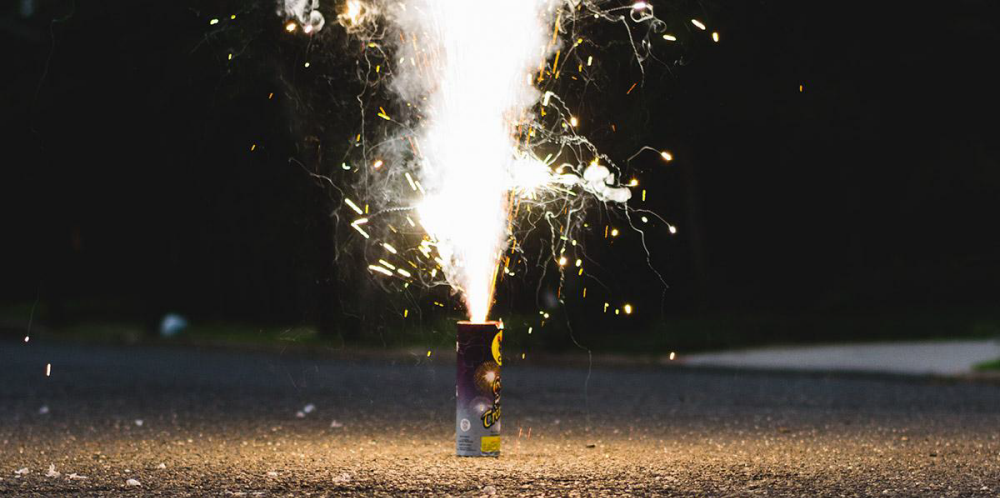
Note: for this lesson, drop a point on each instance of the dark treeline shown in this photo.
(129, 181)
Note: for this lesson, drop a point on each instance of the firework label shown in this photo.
(477, 421)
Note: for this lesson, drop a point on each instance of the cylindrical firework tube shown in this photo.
(477, 421)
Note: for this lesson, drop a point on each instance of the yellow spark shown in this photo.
(800, 88)
(643, 195)
(673, 355)
(406, 313)
(522, 356)
(428, 353)
(213, 22)
(618, 311)
(670, 37)
(291, 27)
(383, 115)
(230, 56)
(386, 264)
(614, 232)
(584, 292)
(232, 16)
(573, 121)
(672, 229)
(353, 206)
(380, 270)
(698, 24)
(633, 183)
(606, 307)
(253, 147)
(389, 248)
(628, 309)
(378, 164)
(666, 156)
(715, 36)
(270, 96)
(403, 272)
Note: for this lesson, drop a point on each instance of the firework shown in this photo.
(477, 389)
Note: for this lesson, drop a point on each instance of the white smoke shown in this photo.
(306, 12)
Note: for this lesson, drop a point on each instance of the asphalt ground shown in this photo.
(124, 421)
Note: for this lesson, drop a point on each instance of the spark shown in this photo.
(404, 272)
(562, 261)
(357, 226)
(698, 24)
(291, 26)
(380, 269)
(673, 355)
(573, 121)
(672, 229)
(639, 6)
(378, 164)
(579, 262)
(389, 248)
(614, 232)
(670, 38)
(628, 309)
(666, 156)
(715, 36)
(353, 206)
(48, 369)
(27, 338)
(213, 22)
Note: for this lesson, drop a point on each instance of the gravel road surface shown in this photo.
(131, 421)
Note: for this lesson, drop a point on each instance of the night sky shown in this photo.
(128, 179)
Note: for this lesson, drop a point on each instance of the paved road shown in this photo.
(919, 357)
(225, 424)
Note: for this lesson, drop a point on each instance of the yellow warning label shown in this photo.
(496, 348)
(489, 444)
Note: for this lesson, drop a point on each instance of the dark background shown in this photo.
(862, 206)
